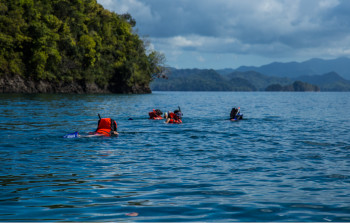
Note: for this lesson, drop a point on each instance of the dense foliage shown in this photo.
(73, 40)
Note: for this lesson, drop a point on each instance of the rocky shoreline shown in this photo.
(18, 84)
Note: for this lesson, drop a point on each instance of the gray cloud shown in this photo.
(270, 28)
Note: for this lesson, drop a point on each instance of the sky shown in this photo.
(221, 34)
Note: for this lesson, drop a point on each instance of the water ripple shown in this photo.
(284, 162)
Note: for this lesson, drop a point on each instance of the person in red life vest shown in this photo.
(155, 114)
(174, 117)
(106, 127)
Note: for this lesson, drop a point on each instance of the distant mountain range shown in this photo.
(311, 75)
(327, 82)
(294, 69)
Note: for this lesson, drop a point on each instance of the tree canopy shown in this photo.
(74, 40)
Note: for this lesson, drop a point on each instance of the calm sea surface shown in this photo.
(289, 160)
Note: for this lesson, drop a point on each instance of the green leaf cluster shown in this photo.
(74, 40)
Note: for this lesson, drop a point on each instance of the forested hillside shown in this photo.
(73, 41)
(211, 80)
(200, 80)
(296, 86)
(328, 82)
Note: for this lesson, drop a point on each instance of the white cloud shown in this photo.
(136, 8)
(328, 3)
(182, 41)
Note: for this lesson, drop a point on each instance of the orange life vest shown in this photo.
(106, 126)
(153, 115)
(171, 115)
(157, 118)
(174, 121)
(174, 118)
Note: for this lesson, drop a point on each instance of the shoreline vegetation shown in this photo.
(234, 80)
(63, 46)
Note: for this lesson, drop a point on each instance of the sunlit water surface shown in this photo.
(288, 160)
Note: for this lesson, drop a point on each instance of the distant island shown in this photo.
(312, 75)
(72, 47)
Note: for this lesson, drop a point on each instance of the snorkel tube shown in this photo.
(179, 113)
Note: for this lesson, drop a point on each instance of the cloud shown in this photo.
(267, 28)
(138, 9)
(181, 41)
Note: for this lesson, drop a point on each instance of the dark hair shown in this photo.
(159, 112)
(233, 113)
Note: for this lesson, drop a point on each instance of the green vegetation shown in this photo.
(74, 40)
(200, 80)
(296, 86)
(258, 80)
(328, 82)
(228, 80)
(211, 80)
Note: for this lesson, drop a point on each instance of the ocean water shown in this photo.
(288, 160)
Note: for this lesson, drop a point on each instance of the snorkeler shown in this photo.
(106, 127)
(155, 114)
(235, 114)
(174, 117)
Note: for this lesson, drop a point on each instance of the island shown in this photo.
(62, 46)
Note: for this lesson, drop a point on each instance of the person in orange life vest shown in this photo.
(174, 117)
(106, 127)
(155, 114)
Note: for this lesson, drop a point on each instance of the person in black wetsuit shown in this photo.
(235, 114)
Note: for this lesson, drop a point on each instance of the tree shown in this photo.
(74, 40)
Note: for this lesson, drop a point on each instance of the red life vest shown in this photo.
(172, 115)
(174, 118)
(174, 121)
(157, 118)
(106, 126)
(153, 115)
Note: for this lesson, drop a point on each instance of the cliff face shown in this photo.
(17, 84)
